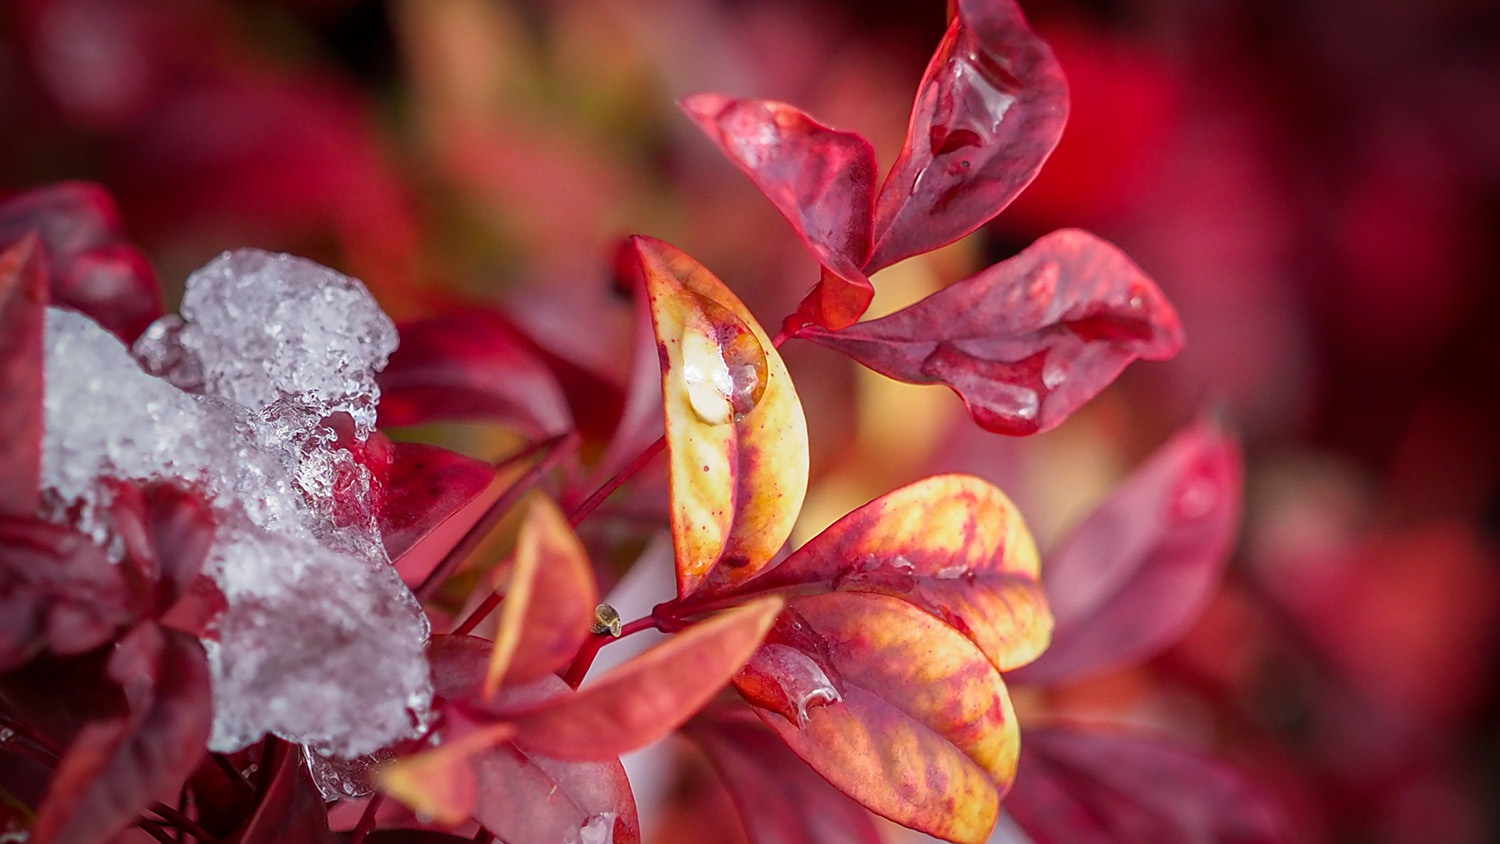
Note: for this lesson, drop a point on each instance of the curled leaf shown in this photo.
(988, 112)
(922, 733)
(549, 607)
(820, 179)
(649, 696)
(736, 436)
(952, 545)
(1080, 786)
(1027, 341)
(1137, 572)
(23, 311)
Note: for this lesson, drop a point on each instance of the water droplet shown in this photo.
(1196, 495)
(6, 734)
(881, 574)
(598, 829)
(786, 680)
(723, 365)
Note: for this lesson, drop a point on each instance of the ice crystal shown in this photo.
(321, 643)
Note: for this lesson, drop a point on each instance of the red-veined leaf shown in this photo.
(820, 179)
(549, 606)
(471, 365)
(60, 592)
(780, 799)
(736, 436)
(914, 722)
(23, 317)
(988, 112)
(432, 497)
(1136, 573)
(91, 266)
(953, 545)
(1027, 341)
(292, 810)
(1085, 787)
(649, 696)
(116, 767)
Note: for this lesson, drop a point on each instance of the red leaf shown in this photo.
(23, 312)
(471, 365)
(649, 696)
(1027, 341)
(987, 114)
(412, 836)
(952, 545)
(1078, 787)
(59, 591)
(1138, 571)
(428, 487)
(780, 799)
(292, 810)
(167, 532)
(93, 268)
(116, 767)
(820, 179)
(894, 708)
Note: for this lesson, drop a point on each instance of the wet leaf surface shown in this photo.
(1079, 786)
(1027, 341)
(1139, 570)
(23, 316)
(428, 488)
(820, 179)
(921, 728)
(952, 545)
(988, 112)
(736, 436)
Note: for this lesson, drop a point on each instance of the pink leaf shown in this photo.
(988, 112)
(1084, 787)
(427, 487)
(1027, 341)
(1138, 571)
(23, 310)
(471, 365)
(91, 265)
(292, 810)
(116, 767)
(780, 799)
(820, 179)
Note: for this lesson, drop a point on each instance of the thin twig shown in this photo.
(182, 822)
(367, 820)
(589, 504)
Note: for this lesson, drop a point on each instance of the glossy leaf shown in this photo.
(780, 799)
(953, 545)
(471, 365)
(1139, 570)
(432, 495)
(23, 312)
(60, 592)
(988, 112)
(736, 437)
(91, 266)
(921, 730)
(1027, 341)
(649, 696)
(1087, 787)
(116, 767)
(549, 605)
(292, 810)
(820, 179)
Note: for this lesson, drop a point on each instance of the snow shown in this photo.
(321, 643)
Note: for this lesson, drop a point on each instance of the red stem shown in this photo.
(592, 503)
(154, 830)
(182, 822)
(367, 820)
(558, 446)
(585, 658)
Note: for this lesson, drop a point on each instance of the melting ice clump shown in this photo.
(321, 642)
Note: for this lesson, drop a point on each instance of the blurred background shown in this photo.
(1315, 185)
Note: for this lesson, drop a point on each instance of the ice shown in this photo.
(321, 643)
